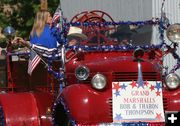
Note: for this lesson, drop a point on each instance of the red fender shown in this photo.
(86, 105)
(26, 109)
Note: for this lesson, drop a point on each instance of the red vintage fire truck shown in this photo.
(101, 81)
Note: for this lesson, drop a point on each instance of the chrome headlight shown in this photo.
(82, 73)
(172, 81)
(138, 53)
(173, 33)
(99, 81)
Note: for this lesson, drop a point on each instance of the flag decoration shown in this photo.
(57, 14)
(47, 52)
(33, 61)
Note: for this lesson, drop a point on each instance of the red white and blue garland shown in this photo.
(2, 118)
(61, 35)
(156, 21)
(162, 28)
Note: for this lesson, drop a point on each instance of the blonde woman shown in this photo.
(42, 37)
(41, 33)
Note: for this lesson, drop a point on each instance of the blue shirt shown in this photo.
(46, 39)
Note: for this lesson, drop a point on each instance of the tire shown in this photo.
(61, 117)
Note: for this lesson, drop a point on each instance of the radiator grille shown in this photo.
(129, 76)
(165, 102)
(110, 107)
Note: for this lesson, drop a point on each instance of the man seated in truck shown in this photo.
(123, 34)
(75, 36)
(133, 35)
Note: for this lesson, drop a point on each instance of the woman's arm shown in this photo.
(19, 40)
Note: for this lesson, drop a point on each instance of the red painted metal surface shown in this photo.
(10, 80)
(99, 61)
(88, 106)
(26, 109)
(171, 100)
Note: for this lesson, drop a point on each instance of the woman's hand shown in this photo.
(20, 41)
(17, 40)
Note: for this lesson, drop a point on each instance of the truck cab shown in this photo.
(108, 82)
(115, 77)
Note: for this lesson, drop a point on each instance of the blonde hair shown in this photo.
(40, 19)
(44, 5)
(39, 22)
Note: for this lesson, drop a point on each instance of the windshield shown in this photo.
(101, 29)
(122, 35)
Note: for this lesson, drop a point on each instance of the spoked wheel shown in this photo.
(92, 16)
(97, 34)
(103, 16)
(79, 17)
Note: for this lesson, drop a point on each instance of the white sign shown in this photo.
(134, 103)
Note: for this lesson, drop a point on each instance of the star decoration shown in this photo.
(158, 93)
(146, 83)
(123, 86)
(117, 93)
(158, 116)
(158, 86)
(118, 117)
(133, 84)
(152, 87)
(141, 84)
(116, 86)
